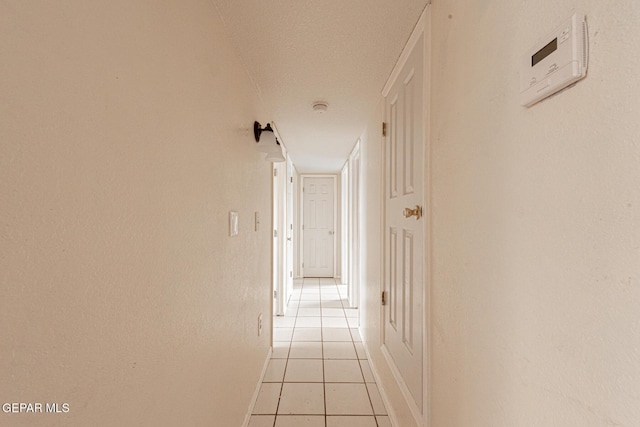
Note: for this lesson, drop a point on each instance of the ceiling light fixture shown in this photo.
(320, 107)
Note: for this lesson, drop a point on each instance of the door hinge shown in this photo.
(275, 233)
(291, 274)
(275, 294)
(275, 172)
(291, 179)
(384, 298)
(384, 129)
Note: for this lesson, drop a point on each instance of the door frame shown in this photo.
(345, 229)
(278, 232)
(336, 234)
(289, 244)
(421, 30)
(354, 209)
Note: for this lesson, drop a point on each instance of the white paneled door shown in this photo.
(404, 226)
(318, 226)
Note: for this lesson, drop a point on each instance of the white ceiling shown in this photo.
(337, 51)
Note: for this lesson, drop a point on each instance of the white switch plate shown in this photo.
(233, 223)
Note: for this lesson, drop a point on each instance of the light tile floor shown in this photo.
(318, 375)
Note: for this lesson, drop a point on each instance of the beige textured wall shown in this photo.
(535, 288)
(121, 153)
(536, 214)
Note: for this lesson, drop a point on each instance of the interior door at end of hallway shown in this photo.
(318, 226)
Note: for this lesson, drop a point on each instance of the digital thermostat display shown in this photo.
(555, 62)
(544, 52)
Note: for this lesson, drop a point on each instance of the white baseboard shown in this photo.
(254, 398)
(415, 411)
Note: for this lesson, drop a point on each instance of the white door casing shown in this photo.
(404, 250)
(278, 247)
(289, 230)
(354, 227)
(318, 228)
(345, 229)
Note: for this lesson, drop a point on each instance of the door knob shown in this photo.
(417, 212)
(330, 233)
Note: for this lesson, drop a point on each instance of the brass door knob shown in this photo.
(417, 212)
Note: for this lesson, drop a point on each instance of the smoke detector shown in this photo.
(320, 107)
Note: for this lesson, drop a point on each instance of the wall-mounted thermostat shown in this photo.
(555, 62)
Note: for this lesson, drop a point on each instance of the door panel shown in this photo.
(318, 232)
(404, 251)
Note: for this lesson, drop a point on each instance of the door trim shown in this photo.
(345, 229)
(336, 234)
(354, 237)
(288, 229)
(278, 247)
(421, 31)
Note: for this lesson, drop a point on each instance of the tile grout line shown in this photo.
(324, 376)
(286, 363)
(331, 288)
(275, 418)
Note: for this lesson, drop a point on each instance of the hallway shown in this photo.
(318, 374)
(137, 231)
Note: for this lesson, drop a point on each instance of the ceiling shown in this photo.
(337, 51)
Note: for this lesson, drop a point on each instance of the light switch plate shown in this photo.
(233, 223)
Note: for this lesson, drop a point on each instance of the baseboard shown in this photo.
(415, 411)
(385, 399)
(254, 398)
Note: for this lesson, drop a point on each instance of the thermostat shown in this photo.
(555, 62)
